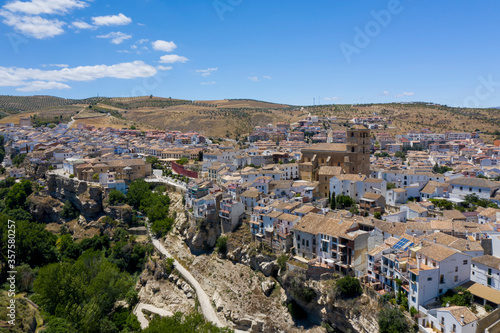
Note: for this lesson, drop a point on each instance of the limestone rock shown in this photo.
(267, 287)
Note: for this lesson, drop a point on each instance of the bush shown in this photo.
(349, 287)
(116, 197)
(169, 265)
(282, 259)
(72, 176)
(488, 308)
(221, 245)
(392, 320)
(413, 311)
(69, 211)
(377, 215)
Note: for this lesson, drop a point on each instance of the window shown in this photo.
(307, 243)
(442, 320)
(489, 281)
(454, 328)
(456, 278)
(489, 271)
(441, 279)
(429, 279)
(456, 268)
(465, 262)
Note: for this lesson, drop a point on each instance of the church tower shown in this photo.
(357, 159)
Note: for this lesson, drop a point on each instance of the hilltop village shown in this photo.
(412, 217)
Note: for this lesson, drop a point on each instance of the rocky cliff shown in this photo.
(86, 197)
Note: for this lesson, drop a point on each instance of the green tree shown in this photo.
(392, 320)
(69, 211)
(180, 323)
(332, 201)
(183, 160)
(138, 191)
(116, 197)
(349, 287)
(95, 176)
(221, 245)
(377, 215)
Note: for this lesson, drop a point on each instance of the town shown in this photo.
(413, 217)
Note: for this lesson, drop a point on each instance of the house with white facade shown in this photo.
(453, 319)
(486, 271)
(459, 188)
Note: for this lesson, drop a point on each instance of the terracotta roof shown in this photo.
(487, 260)
(339, 147)
(330, 170)
(415, 207)
(453, 215)
(458, 311)
(485, 292)
(474, 182)
(437, 252)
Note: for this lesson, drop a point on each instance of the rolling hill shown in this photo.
(236, 117)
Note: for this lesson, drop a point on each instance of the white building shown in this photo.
(437, 270)
(486, 271)
(453, 319)
(459, 188)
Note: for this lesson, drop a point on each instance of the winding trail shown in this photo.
(205, 302)
(142, 318)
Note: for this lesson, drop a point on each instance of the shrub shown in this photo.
(488, 308)
(377, 215)
(221, 245)
(349, 287)
(169, 265)
(72, 176)
(282, 259)
(392, 320)
(413, 311)
(116, 197)
(69, 211)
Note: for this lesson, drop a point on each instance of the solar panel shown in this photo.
(401, 243)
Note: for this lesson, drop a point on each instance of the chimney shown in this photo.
(418, 262)
(435, 240)
(467, 246)
(462, 319)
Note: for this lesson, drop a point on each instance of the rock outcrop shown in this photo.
(199, 234)
(86, 197)
(122, 213)
(44, 208)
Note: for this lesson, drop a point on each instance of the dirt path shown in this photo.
(151, 308)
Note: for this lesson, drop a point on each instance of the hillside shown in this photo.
(236, 117)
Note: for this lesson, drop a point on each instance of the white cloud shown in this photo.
(119, 19)
(172, 58)
(385, 93)
(161, 45)
(116, 37)
(164, 68)
(37, 7)
(208, 83)
(207, 72)
(332, 98)
(267, 77)
(405, 94)
(253, 78)
(56, 65)
(29, 78)
(141, 41)
(43, 85)
(34, 26)
(82, 25)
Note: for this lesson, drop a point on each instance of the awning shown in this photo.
(485, 292)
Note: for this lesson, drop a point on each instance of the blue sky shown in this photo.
(282, 51)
